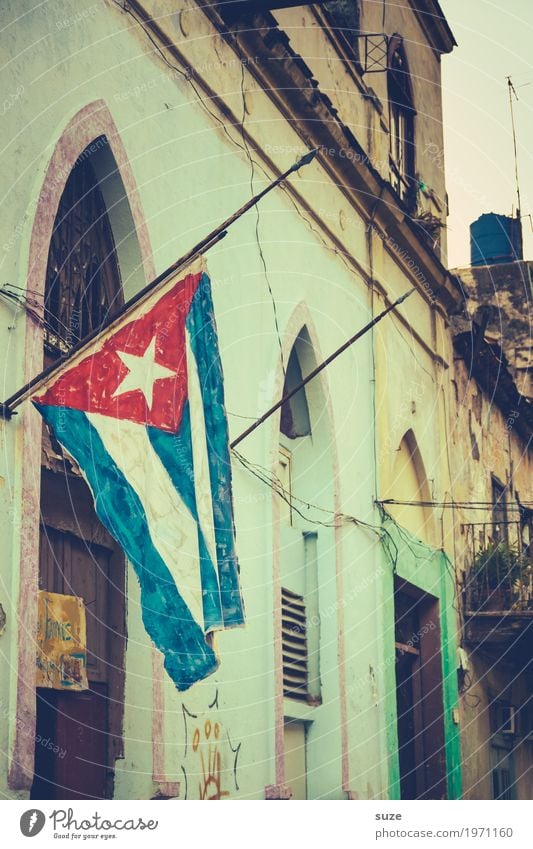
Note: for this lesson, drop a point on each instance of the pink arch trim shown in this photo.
(91, 122)
(299, 318)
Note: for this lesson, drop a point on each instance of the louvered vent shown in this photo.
(294, 641)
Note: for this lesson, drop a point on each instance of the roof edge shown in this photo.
(435, 25)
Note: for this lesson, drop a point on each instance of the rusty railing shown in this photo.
(499, 567)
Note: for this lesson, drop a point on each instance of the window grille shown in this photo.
(501, 784)
(83, 288)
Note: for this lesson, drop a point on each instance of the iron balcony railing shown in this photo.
(499, 567)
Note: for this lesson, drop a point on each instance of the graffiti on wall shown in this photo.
(210, 760)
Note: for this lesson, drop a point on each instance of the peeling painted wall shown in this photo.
(189, 176)
(484, 442)
(504, 292)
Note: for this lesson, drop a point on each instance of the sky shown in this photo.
(494, 40)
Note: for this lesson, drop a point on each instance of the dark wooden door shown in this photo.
(71, 744)
(407, 707)
(419, 694)
(78, 734)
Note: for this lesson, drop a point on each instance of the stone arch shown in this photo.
(410, 484)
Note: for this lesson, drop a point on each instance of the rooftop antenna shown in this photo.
(512, 93)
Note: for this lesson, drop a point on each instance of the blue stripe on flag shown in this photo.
(166, 617)
(201, 325)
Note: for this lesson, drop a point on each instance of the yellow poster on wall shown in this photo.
(61, 642)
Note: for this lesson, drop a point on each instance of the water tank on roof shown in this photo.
(495, 239)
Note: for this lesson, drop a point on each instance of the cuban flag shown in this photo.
(141, 411)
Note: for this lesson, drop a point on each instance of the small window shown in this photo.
(501, 784)
(503, 718)
(295, 421)
(499, 511)
(402, 120)
(285, 485)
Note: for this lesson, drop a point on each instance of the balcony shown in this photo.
(498, 586)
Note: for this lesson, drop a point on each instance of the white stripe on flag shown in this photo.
(202, 480)
(172, 528)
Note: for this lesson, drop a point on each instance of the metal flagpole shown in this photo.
(8, 406)
(318, 369)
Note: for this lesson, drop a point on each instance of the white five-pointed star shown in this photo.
(142, 373)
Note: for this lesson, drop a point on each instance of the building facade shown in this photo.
(135, 130)
(493, 491)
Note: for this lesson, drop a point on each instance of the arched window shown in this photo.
(402, 121)
(83, 287)
(295, 420)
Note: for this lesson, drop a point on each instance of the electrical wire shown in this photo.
(33, 303)
(275, 484)
(475, 700)
(241, 416)
(34, 310)
(414, 547)
(463, 505)
(373, 378)
(453, 579)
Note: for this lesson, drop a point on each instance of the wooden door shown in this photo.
(407, 708)
(294, 737)
(419, 694)
(78, 735)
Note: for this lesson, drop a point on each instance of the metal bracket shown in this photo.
(6, 412)
(376, 51)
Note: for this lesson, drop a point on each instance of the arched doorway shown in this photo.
(409, 484)
(417, 634)
(79, 734)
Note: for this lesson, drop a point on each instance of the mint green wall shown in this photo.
(190, 176)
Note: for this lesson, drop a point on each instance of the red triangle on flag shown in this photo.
(139, 371)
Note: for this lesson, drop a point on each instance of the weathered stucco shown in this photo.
(332, 248)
